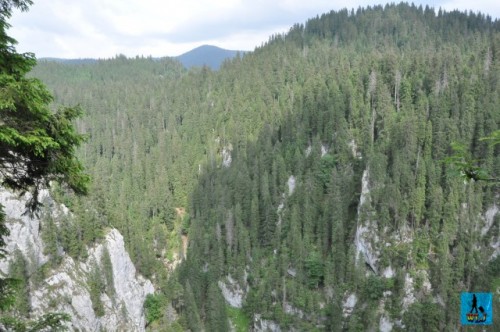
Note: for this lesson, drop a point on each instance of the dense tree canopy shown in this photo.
(376, 94)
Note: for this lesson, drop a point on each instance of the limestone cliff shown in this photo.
(66, 288)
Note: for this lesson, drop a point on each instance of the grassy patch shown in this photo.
(239, 319)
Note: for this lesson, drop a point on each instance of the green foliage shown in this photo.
(8, 286)
(194, 322)
(425, 316)
(493, 139)
(385, 89)
(373, 288)
(4, 232)
(107, 268)
(50, 239)
(217, 319)
(47, 322)
(326, 167)
(368, 86)
(185, 224)
(315, 270)
(154, 307)
(39, 145)
(239, 319)
(8, 292)
(97, 286)
(462, 161)
(18, 270)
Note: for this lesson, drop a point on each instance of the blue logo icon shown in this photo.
(476, 308)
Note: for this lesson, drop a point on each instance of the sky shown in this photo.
(105, 28)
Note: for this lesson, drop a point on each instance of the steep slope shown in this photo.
(100, 292)
(297, 164)
(377, 228)
(207, 55)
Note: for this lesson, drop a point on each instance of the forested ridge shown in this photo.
(311, 170)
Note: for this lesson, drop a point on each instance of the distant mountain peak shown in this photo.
(206, 55)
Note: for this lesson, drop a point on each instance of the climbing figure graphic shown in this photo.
(474, 303)
(476, 308)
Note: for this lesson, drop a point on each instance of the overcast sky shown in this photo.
(105, 28)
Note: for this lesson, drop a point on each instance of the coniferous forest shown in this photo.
(309, 176)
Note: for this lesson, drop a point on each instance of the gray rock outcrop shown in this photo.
(66, 287)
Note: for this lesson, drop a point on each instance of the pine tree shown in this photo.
(193, 317)
(37, 146)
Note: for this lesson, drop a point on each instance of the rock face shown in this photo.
(67, 287)
(232, 292)
(226, 157)
(349, 304)
(385, 324)
(366, 239)
(264, 325)
(24, 230)
(291, 184)
(489, 220)
(123, 310)
(371, 240)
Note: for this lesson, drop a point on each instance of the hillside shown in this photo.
(342, 215)
(311, 173)
(207, 55)
(70, 61)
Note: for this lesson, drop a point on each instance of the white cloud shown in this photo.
(104, 28)
(490, 7)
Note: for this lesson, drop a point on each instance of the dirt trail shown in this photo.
(185, 241)
(180, 211)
